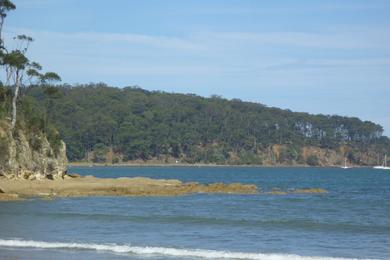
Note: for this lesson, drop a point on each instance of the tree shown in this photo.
(5, 7)
(16, 62)
(17, 65)
(50, 92)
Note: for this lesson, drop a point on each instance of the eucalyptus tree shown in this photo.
(18, 68)
(47, 80)
(5, 7)
(16, 63)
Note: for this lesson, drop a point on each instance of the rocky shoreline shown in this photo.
(74, 185)
(78, 186)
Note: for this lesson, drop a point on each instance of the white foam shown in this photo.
(174, 252)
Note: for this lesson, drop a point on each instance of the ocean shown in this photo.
(351, 221)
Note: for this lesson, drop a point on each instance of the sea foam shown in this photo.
(161, 251)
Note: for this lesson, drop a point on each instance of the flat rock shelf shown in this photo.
(77, 186)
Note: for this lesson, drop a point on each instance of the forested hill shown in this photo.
(102, 123)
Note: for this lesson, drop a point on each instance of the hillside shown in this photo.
(33, 149)
(106, 124)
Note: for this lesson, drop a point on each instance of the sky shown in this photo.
(329, 57)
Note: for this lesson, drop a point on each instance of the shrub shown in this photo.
(100, 151)
(312, 160)
(4, 156)
(54, 139)
(35, 143)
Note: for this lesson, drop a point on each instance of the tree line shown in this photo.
(140, 124)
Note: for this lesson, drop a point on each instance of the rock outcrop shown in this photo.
(29, 155)
(74, 186)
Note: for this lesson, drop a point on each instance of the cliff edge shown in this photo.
(29, 155)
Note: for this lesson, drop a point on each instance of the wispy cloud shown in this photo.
(39, 3)
(331, 63)
(109, 38)
(325, 40)
(296, 7)
(205, 53)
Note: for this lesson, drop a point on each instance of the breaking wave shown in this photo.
(160, 251)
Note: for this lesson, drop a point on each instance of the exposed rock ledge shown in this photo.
(76, 186)
(25, 154)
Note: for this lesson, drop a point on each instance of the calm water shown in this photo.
(351, 221)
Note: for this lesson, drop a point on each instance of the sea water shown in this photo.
(351, 221)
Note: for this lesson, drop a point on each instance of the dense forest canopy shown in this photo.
(140, 124)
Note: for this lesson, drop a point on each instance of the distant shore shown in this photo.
(148, 164)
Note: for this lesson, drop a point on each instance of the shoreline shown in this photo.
(201, 165)
(74, 185)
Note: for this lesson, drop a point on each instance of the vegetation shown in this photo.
(139, 124)
(106, 124)
(17, 66)
(312, 160)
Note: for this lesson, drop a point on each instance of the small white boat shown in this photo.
(384, 165)
(345, 164)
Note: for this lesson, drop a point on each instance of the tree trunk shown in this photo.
(14, 99)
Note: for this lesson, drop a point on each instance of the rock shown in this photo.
(92, 186)
(25, 174)
(310, 190)
(29, 155)
(277, 191)
(40, 176)
(9, 197)
(72, 176)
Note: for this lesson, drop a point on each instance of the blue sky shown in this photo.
(330, 57)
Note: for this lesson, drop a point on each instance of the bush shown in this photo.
(249, 157)
(5, 101)
(54, 139)
(4, 156)
(35, 143)
(288, 154)
(100, 152)
(312, 160)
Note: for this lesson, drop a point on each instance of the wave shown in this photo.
(300, 224)
(161, 251)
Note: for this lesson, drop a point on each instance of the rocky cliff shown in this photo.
(28, 154)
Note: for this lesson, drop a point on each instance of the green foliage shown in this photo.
(351, 156)
(49, 77)
(249, 157)
(312, 160)
(140, 124)
(5, 6)
(32, 115)
(54, 139)
(35, 143)
(5, 101)
(15, 59)
(100, 151)
(3, 148)
(289, 154)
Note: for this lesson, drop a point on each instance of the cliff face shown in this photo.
(275, 155)
(27, 155)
